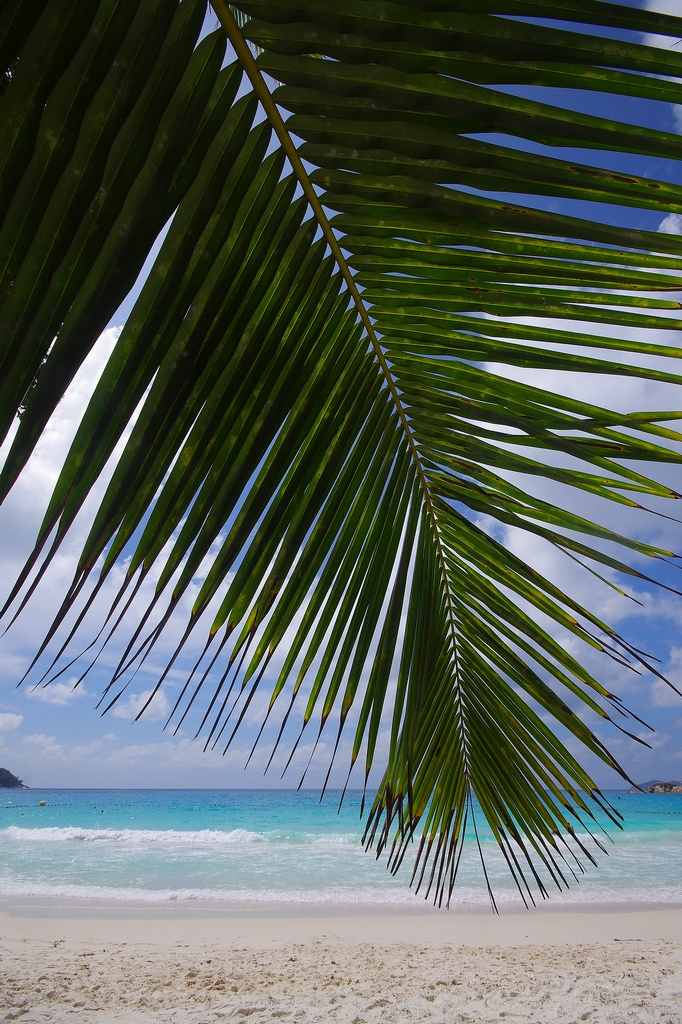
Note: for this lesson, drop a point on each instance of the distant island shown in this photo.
(656, 786)
(9, 781)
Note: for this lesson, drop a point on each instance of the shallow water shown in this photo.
(282, 846)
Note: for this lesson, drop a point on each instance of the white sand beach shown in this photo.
(199, 965)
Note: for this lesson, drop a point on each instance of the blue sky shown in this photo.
(54, 736)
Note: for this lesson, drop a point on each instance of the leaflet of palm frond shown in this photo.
(492, 69)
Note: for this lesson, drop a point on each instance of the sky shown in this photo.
(55, 735)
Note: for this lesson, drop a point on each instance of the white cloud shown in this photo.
(39, 739)
(662, 7)
(25, 506)
(58, 693)
(45, 745)
(672, 224)
(86, 749)
(37, 481)
(158, 709)
(662, 695)
(9, 722)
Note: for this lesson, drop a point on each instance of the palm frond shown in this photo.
(316, 390)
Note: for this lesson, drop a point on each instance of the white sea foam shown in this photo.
(13, 888)
(352, 838)
(21, 888)
(132, 836)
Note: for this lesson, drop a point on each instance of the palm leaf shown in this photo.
(325, 422)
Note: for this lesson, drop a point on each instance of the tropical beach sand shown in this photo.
(199, 965)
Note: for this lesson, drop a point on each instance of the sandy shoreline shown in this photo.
(304, 964)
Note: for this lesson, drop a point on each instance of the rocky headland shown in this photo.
(656, 786)
(9, 781)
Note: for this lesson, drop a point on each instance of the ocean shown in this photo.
(245, 846)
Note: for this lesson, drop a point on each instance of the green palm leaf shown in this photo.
(310, 391)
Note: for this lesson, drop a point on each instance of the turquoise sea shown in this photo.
(280, 846)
